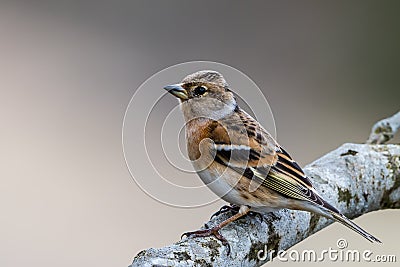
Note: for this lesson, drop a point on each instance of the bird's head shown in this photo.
(204, 94)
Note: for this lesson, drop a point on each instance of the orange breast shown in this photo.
(196, 131)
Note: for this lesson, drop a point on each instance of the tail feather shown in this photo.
(331, 212)
(347, 222)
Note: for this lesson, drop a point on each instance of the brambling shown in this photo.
(239, 160)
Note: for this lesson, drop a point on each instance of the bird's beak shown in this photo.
(177, 90)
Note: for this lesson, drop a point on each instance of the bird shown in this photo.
(239, 160)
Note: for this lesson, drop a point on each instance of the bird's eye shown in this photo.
(200, 90)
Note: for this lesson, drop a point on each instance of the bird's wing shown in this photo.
(259, 157)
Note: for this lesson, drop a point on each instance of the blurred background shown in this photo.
(329, 69)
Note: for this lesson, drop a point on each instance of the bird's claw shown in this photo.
(226, 208)
(209, 232)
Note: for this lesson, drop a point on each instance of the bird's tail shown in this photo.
(347, 222)
(325, 209)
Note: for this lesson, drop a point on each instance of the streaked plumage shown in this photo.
(238, 159)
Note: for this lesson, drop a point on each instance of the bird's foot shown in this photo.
(209, 232)
(234, 208)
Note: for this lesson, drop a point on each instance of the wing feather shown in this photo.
(272, 167)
